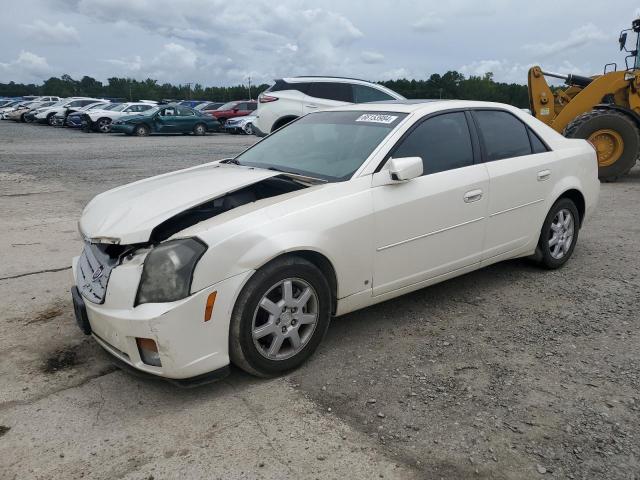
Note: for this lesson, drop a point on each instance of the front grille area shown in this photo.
(92, 275)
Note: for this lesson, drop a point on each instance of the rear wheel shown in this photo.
(559, 234)
(141, 130)
(280, 317)
(200, 129)
(614, 135)
(104, 125)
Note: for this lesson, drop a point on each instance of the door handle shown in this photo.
(311, 106)
(472, 196)
(544, 175)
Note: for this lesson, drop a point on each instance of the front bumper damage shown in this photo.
(191, 350)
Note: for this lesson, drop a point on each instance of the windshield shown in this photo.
(120, 107)
(326, 145)
(111, 106)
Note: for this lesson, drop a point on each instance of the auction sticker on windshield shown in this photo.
(376, 118)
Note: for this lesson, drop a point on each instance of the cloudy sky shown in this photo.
(222, 42)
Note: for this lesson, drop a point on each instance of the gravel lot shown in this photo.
(507, 373)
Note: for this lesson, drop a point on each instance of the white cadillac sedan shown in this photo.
(246, 260)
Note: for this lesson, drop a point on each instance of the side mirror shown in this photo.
(398, 170)
(623, 40)
(402, 169)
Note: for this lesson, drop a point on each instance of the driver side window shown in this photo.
(443, 142)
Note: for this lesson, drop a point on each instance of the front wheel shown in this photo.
(104, 125)
(559, 234)
(141, 130)
(51, 119)
(280, 317)
(248, 129)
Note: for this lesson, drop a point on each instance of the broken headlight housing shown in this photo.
(168, 271)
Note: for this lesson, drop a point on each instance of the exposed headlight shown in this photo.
(168, 270)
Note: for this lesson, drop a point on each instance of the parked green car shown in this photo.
(166, 119)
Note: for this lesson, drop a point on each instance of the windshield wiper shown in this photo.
(232, 160)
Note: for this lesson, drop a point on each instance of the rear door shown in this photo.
(521, 170)
(432, 225)
(186, 119)
(323, 95)
(365, 93)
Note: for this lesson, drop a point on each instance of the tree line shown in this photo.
(451, 85)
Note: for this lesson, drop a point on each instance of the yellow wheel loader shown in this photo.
(604, 109)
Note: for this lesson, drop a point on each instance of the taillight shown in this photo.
(267, 99)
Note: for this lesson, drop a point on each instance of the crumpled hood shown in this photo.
(128, 214)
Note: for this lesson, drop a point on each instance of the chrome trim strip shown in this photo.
(402, 242)
(515, 208)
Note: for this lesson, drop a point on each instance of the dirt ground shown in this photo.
(510, 372)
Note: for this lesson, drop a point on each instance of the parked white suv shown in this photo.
(290, 98)
(48, 114)
(101, 119)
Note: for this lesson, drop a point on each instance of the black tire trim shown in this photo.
(576, 129)
(242, 351)
(545, 258)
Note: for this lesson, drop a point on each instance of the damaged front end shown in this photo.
(167, 264)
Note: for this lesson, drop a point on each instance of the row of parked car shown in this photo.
(286, 100)
(133, 118)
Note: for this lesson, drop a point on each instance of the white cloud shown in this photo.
(28, 67)
(395, 74)
(503, 70)
(51, 33)
(579, 37)
(371, 57)
(429, 23)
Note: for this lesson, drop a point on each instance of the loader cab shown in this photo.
(633, 51)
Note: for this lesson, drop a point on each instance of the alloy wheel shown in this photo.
(561, 233)
(285, 319)
(104, 125)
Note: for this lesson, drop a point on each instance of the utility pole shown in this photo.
(249, 78)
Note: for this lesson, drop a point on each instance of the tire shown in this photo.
(141, 130)
(103, 125)
(252, 354)
(248, 129)
(51, 119)
(200, 129)
(549, 256)
(22, 119)
(613, 125)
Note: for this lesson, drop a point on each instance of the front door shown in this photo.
(167, 120)
(434, 224)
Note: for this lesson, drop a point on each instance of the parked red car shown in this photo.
(238, 108)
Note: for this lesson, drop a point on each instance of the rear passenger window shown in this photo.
(504, 135)
(363, 94)
(184, 112)
(340, 92)
(536, 144)
(443, 142)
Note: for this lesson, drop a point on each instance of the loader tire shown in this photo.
(615, 136)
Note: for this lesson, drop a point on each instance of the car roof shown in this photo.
(318, 78)
(421, 106)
